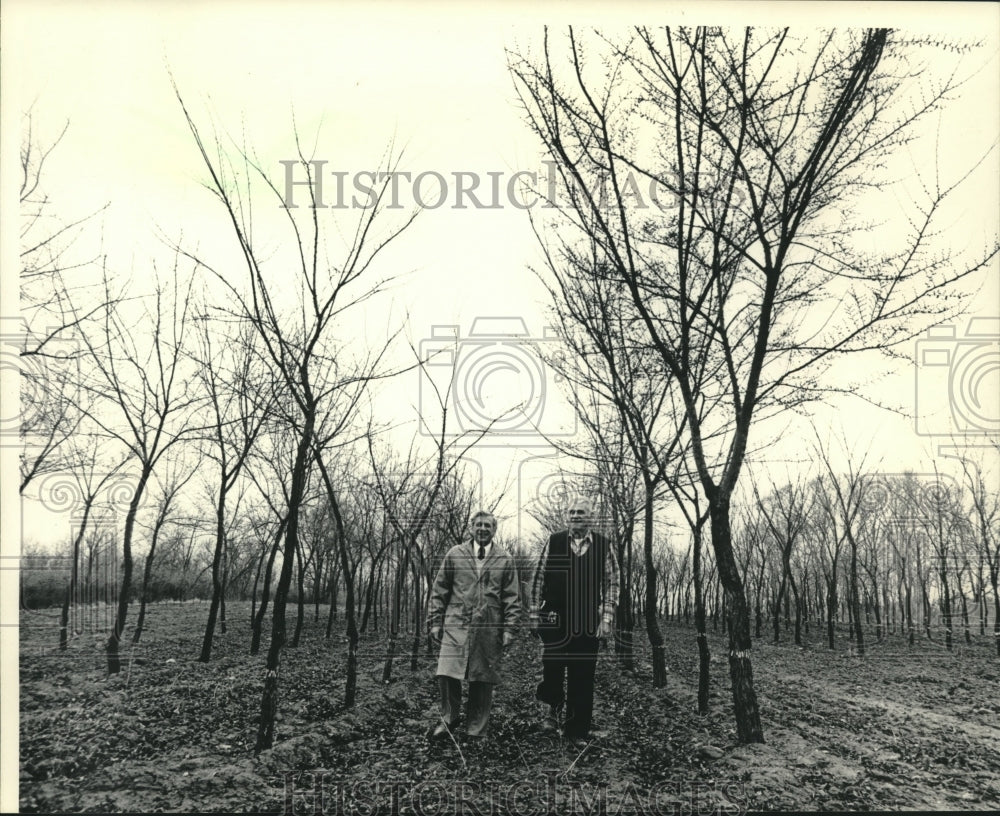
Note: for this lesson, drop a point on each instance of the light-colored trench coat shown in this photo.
(476, 607)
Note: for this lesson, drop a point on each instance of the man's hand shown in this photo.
(607, 627)
(508, 638)
(533, 621)
(436, 634)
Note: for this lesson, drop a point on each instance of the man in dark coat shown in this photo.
(574, 595)
(474, 609)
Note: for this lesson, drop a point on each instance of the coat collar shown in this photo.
(494, 553)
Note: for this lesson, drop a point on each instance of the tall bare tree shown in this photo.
(321, 384)
(239, 401)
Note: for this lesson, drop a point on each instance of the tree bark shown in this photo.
(652, 625)
(747, 712)
(704, 656)
(213, 608)
(73, 577)
(269, 697)
(258, 621)
(114, 661)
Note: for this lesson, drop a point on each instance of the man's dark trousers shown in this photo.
(575, 660)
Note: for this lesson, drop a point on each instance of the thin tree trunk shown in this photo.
(747, 713)
(351, 681)
(334, 579)
(114, 662)
(369, 599)
(652, 626)
(625, 619)
(394, 614)
(419, 616)
(855, 600)
(256, 583)
(798, 615)
(258, 621)
(73, 578)
(213, 608)
(996, 608)
(946, 607)
(145, 582)
(704, 657)
(300, 613)
(269, 697)
(776, 607)
(831, 609)
(317, 588)
(225, 588)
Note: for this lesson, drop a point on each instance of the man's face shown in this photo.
(483, 529)
(579, 517)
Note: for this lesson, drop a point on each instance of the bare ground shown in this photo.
(897, 729)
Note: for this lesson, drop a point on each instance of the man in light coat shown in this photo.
(474, 609)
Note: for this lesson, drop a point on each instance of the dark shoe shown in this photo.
(580, 742)
(441, 731)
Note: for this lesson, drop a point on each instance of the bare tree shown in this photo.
(828, 538)
(234, 378)
(786, 510)
(166, 505)
(142, 398)
(322, 386)
(91, 474)
(850, 496)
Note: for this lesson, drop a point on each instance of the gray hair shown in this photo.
(484, 514)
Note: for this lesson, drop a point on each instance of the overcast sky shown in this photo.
(430, 80)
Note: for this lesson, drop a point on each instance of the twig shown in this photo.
(457, 747)
(570, 768)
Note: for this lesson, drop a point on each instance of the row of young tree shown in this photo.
(238, 376)
(802, 557)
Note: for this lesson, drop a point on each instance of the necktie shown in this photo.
(482, 552)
